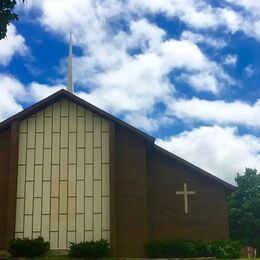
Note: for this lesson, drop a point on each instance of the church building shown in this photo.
(70, 172)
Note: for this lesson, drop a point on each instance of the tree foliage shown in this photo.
(7, 15)
(244, 208)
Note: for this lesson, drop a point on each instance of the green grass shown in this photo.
(250, 258)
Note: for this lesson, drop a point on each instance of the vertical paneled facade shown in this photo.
(63, 176)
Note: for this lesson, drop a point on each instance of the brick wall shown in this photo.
(131, 194)
(207, 216)
(4, 170)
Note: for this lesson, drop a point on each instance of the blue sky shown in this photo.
(184, 71)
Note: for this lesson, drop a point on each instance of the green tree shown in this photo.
(244, 208)
(7, 15)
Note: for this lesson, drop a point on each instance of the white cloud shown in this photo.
(220, 112)
(37, 92)
(216, 43)
(11, 91)
(132, 61)
(230, 59)
(221, 151)
(249, 70)
(13, 44)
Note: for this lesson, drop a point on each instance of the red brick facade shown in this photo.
(4, 173)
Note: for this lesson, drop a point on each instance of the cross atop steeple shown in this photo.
(70, 85)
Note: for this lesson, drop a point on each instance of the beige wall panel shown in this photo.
(72, 147)
(97, 132)
(97, 196)
(64, 107)
(105, 125)
(97, 164)
(30, 165)
(62, 232)
(46, 227)
(63, 196)
(54, 240)
(63, 164)
(88, 180)
(36, 235)
(80, 228)
(72, 180)
(47, 164)
(97, 227)
(39, 121)
(106, 235)
(56, 117)
(105, 147)
(71, 214)
(37, 207)
(28, 197)
(55, 180)
(105, 213)
(88, 121)
(48, 111)
(88, 235)
(54, 214)
(22, 148)
(105, 180)
(88, 147)
(19, 235)
(80, 132)
(38, 181)
(47, 132)
(39, 148)
(81, 111)
(55, 148)
(72, 117)
(80, 164)
(80, 197)
(31, 133)
(46, 197)
(19, 215)
(71, 237)
(88, 213)
(64, 179)
(28, 226)
(64, 132)
(21, 181)
(23, 126)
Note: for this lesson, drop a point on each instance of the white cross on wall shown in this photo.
(185, 193)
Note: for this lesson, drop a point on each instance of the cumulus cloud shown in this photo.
(221, 151)
(198, 38)
(249, 70)
(13, 44)
(135, 58)
(14, 94)
(36, 91)
(11, 91)
(218, 111)
(230, 59)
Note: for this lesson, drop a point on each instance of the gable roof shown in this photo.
(170, 155)
(57, 96)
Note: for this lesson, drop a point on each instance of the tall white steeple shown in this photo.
(70, 86)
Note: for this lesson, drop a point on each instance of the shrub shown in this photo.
(223, 249)
(89, 250)
(226, 249)
(171, 248)
(28, 247)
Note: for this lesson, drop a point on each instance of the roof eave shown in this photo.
(226, 185)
